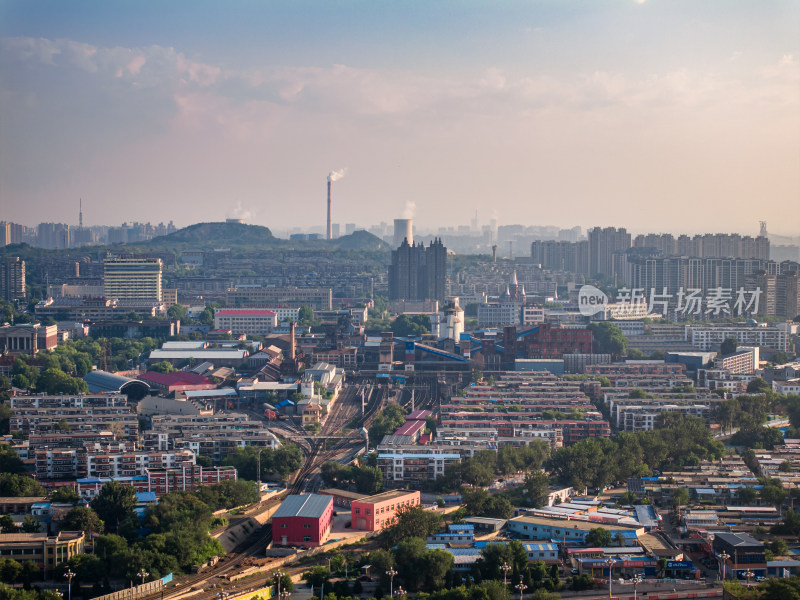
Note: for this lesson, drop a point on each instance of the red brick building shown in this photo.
(546, 341)
(303, 520)
(374, 513)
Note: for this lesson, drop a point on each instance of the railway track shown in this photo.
(318, 451)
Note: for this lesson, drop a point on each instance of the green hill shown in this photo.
(203, 234)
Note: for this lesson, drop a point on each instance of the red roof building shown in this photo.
(177, 381)
(412, 428)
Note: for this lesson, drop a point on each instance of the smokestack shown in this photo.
(403, 229)
(333, 176)
(330, 232)
(494, 253)
(291, 334)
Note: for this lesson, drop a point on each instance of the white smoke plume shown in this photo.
(409, 209)
(336, 175)
(239, 212)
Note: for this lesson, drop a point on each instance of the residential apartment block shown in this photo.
(132, 278)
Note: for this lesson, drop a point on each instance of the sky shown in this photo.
(655, 115)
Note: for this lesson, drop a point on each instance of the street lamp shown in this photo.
(222, 595)
(637, 579)
(285, 595)
(521, 587)
(69, 575)
(391, 573)
(277, 576)
(400, 593)
(142, 574)
(724, 556)
(609, 563)
(505, 569)
(748, 574)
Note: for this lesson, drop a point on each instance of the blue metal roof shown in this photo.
(304, 505)
(103, 381)
(534, 546)
(461, 527)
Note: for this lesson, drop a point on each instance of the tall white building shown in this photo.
(132, 278)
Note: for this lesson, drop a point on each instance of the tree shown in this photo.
(369, 480)
(330, 471)
(30, 525)
(317, 576)
(746, 495)
(162, 367)
(7, 524)
(537, 489)
(758, 386)
(627, 498)
(10, 461)
(10, 571)
(204, 461)
(114, 504)
(437, 563)
(407, 557)
(14, 485)
(598, 537)
(773, 492)
(728, 346)
(83, 518)
(789, 526)
(305, 315)
(411, 326)
(412, 521)
(494, 555)
(64, 494)
(55, 381)
(680, 497)
(608, 338)
(386, 421)
(779, 547)
(178, 312)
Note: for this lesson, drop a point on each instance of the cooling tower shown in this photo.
(403, 229)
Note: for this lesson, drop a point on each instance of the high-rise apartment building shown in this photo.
(569, 256)
(709, 245)
(603, 243)
(418, 273)
(132, 278)
(767, 284)
(12, 278)
(787, 295)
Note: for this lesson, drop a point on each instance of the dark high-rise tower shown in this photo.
(418, 273)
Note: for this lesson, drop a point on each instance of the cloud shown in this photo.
(355, 92)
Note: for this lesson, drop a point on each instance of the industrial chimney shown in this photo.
(330, 232)
(291, 335)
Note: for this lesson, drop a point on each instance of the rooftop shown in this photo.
(304, 505)
(384, 496)
(174, 378)
(244, 312)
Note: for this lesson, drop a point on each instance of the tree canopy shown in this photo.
(608, 338)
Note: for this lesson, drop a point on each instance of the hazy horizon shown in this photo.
(674, 117)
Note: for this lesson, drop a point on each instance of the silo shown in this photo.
(403, 229)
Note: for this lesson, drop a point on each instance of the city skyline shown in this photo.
(625, 113)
